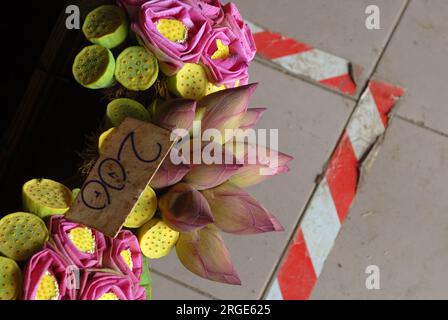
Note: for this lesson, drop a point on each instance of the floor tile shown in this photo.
(164, 289)
(310, 121)
(399, 223)
(337, 27)
(416, 59)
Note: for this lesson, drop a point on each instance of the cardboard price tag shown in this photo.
(127, 164)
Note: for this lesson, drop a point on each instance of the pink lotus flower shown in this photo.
(47, 277)
(174, 31)
(268, 163)
(175, 114)
(109, 286)
(82, 245)
(132, 7)
(185, 209)
(234, 21)
(203, 252)
(236, 211)
(225, 57)
(123, 254)
(211, 9)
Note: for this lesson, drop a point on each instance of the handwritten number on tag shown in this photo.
(112, 175)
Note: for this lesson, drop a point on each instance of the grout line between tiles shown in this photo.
(169, 278)
(422, 126)
(386, 45)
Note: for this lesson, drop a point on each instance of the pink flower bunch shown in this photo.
(195, 31)
(79, 263)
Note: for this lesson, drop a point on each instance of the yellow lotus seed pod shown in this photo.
(143, 210)
(10, 279)
(211, 88)
(45, 197)
(157, 239)
(75, 193)
(104, 138)
(108, 296)
(22, 235)
(48, 288)
(190, 82)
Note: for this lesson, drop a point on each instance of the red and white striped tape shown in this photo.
(329, 205)
(303, 60)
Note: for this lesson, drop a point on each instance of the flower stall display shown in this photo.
(172, 63)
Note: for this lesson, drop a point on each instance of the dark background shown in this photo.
(24, 32)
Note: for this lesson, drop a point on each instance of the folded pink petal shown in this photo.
(251, 118)
(59, 229)
(132, 7)
(95, 284)
(48, 260)
(175, 114)
(125, 240)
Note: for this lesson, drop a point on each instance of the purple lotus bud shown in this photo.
(47, 277)
(175, 114)
(225, 109)
(260, 164)
(82, 245)
(251, 118)
(235, 211)
(185, 209)
(123, 254)
(174, 31)
(109, 286)
(203, 252)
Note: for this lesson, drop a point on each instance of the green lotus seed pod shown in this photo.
(22, 235)
(137, 69)
(10, 279)
(45, 197)
(107, 26)
(94, 67)
(190, 82)
(119, 109)
(143, 210)
(157, 239)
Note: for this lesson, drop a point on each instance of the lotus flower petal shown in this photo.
(169, 174)
(185, 209)
(83, 246)
(109, 286)
(175, 114)
(203, 252)
(234, 21)
(260, 167)
(52, 268)
(211, 9)
(251, 118)
(235, 211)
(123, 254)
(225, 109)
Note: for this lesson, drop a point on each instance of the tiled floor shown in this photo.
(399, 219)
